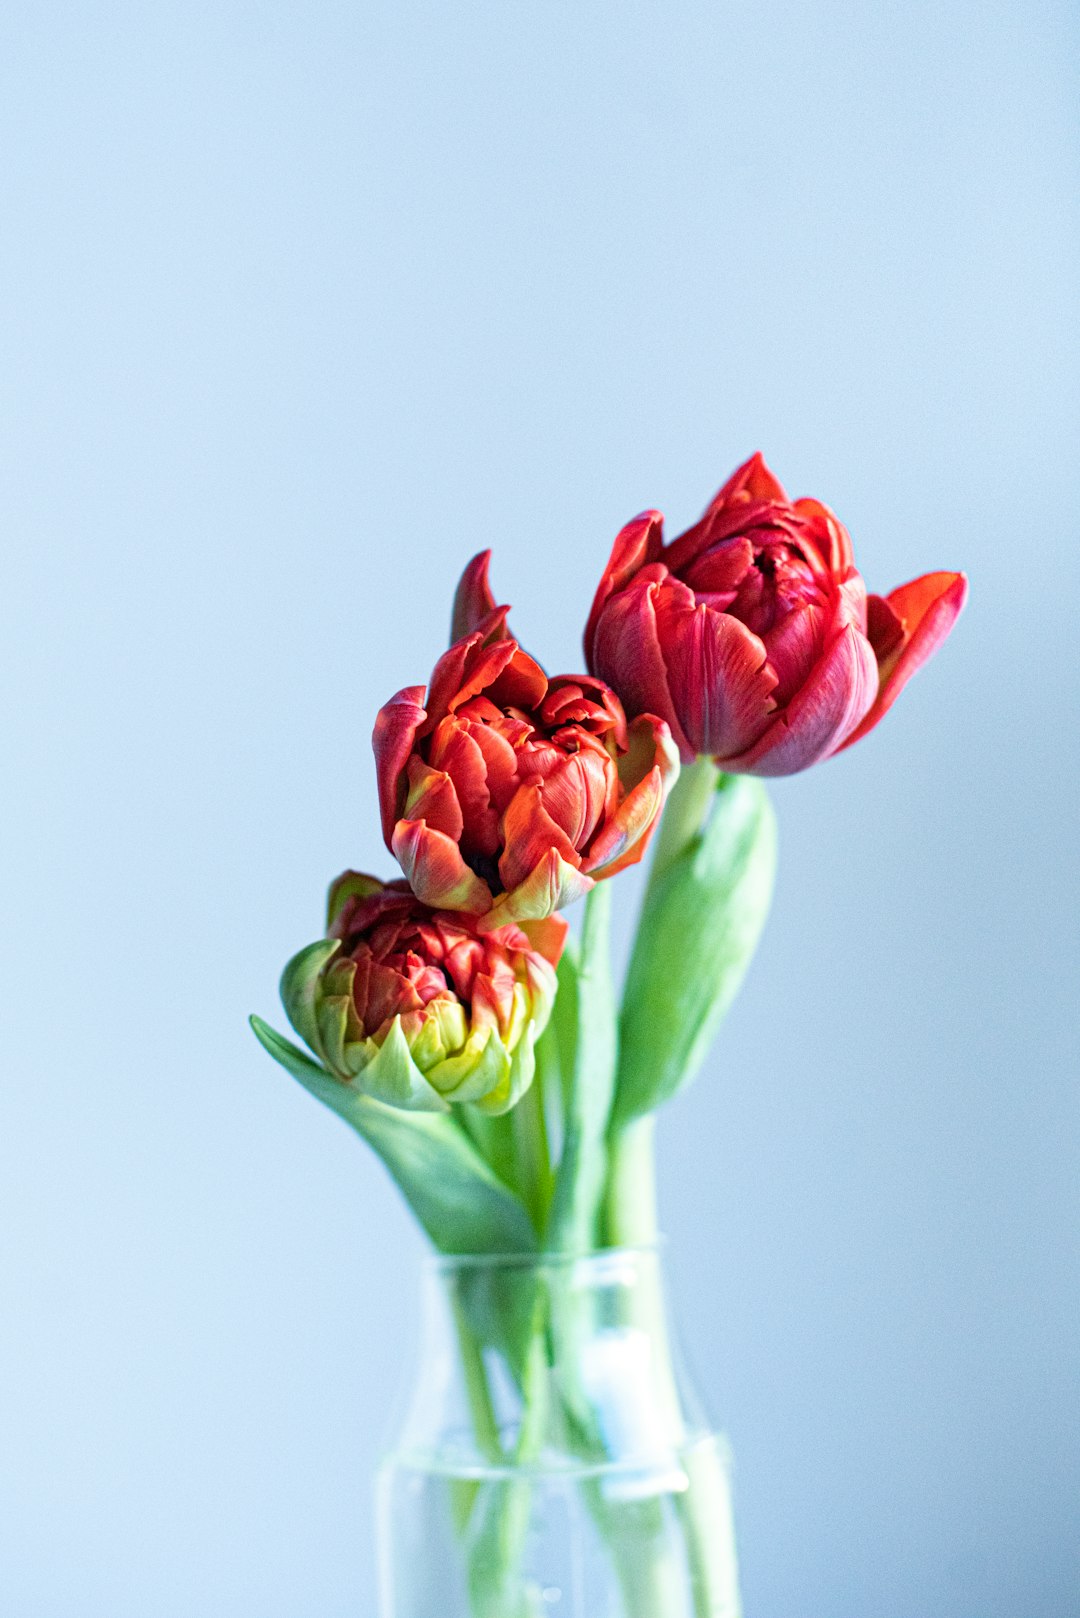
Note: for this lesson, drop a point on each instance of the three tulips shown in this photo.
(506, 794)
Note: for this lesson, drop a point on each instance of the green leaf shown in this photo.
(702, 918)
(586, 1036)
(459, 1201)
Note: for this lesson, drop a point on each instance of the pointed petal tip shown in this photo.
(924, 610)
(473, 598)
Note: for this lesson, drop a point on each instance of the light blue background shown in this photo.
(302, 306)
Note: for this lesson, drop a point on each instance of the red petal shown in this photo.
(468, 668)
(794, 647)
(578, 791)
(551, 885)
(753, 480)
(636, 545)
(623, 840)
(750, 485)
(521, 684)
(718, 673)
(530, 835)
(473, 599)
(820, 717)
(579, 699)
(432, 799)
(720, 570)
(547, 936)
(829, 535)
(925, 610)
(455, 748)
(396, 725)
(385, 993)
(436, 871)
(626, 652)
(648, 746)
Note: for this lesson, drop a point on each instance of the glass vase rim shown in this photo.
(436, 1263)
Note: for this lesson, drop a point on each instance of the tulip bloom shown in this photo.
(416, 1008)
(752, 634)
(506, 794)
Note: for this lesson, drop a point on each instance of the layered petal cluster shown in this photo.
(504, 793)
(752, 634)
(415, 1007)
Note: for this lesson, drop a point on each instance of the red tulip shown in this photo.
(417, 1009)
(506, 794)
(752, 634)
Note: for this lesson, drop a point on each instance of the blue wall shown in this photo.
(301, 306)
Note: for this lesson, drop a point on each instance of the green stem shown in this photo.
(532, 1156)
(631, 1220)
(684, 814)
(630, 1214)
(705, 1509)
(579, 1184)
(499, 1523)
(477, 1390)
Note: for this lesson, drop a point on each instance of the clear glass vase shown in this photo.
(553, 1462)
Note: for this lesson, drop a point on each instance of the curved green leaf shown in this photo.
(459, 1201)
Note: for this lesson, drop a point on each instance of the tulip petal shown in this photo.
(830, 536)
(819, 718)
(924, 611)
(458, 751)
(333, 1014)
(521, 684)
(393, 1077)
(396, 725)
(473, 599)
(579, 699)
(466, 669)
(349, 885)
(435, 870)
(552, 885)
(624, 838)
(300, 989)
(499, 760)
(718, 673)
(794, 647)
(529, 835)
(626, 653)
(432, 797)
(750, 485)
(519, 1078)
(476, 1072)
(753, 481)
(636, 545)
(576, 794)
(547, 936)
(648, 745)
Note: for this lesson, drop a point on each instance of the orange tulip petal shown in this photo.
(435, 870)
(925, 610)
(551, 885)
(624, 838)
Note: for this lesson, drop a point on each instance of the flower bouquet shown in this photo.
(553, 1459)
